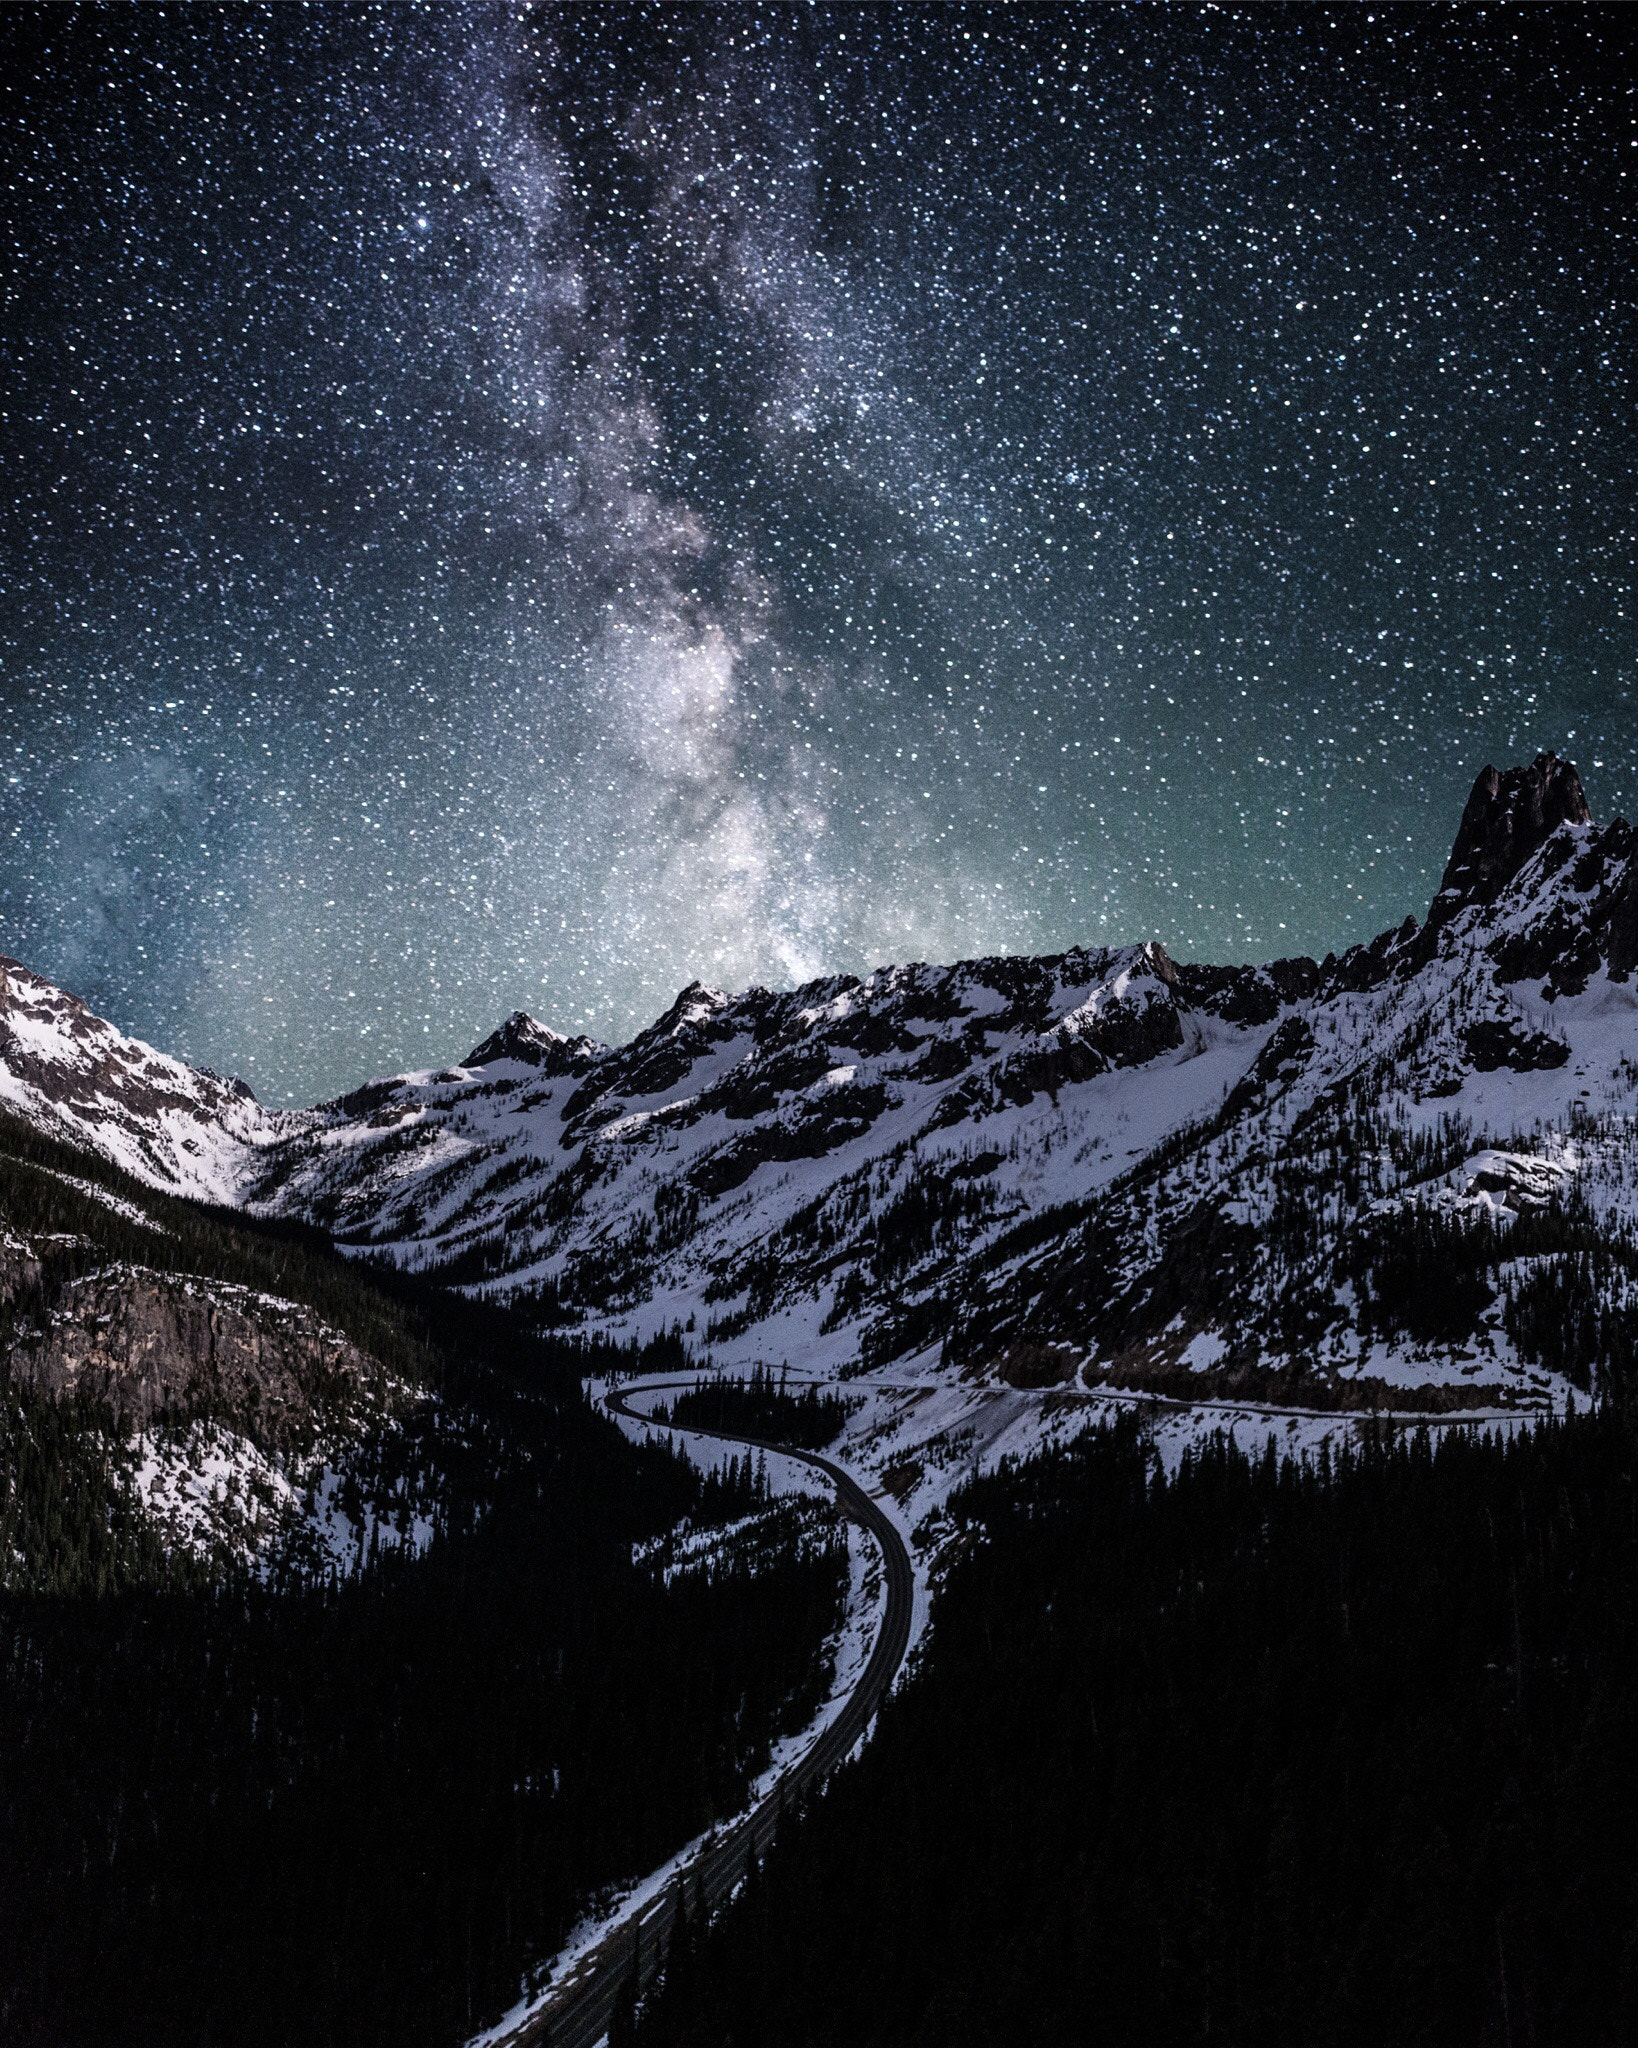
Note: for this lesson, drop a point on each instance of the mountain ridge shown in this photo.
(1085, 1166)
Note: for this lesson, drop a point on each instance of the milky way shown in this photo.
(522, 509)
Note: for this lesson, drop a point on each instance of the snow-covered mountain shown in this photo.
(1399, 1175)
(73, 1076)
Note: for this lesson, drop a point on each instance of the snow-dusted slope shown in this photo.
(67, 1072)
(651, 1184)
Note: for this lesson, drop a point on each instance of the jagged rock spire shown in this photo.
(1509, 815)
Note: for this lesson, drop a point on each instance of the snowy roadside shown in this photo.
(919, 1435)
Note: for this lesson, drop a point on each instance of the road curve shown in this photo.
(578, 2014)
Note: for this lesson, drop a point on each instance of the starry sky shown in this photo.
(520, 508)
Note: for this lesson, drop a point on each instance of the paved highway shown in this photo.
(577, 2014)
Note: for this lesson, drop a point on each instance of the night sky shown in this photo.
(522, 509)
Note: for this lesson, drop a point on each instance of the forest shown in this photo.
(1325, 1752)
(764, 1405)
(289, 1808)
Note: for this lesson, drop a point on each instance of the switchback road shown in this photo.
(578, 2012)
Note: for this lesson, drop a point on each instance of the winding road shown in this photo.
(577, 2014)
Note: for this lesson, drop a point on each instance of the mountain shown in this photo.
(1398, 1176)
(1104, 1164)
(73, 1076)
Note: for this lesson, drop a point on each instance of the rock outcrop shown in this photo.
(533, 1044)
(156, 1347)
(1508, 818)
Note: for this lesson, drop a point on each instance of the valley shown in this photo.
(496, 1384)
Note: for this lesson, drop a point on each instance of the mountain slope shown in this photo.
(230, 1390)
(69, 1073)
(1103, 1164)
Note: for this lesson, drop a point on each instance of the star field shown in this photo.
(520, 508)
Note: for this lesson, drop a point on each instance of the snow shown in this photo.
(1201, 1353)
(109, 1200)
(209, 1489)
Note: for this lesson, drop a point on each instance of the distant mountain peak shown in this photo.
(525, 1038)
(693, 1005)
(71, 1073)
(1510, 815)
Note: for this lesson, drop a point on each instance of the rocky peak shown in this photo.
(695, 1004)
(525, 1038)
(1509, 815)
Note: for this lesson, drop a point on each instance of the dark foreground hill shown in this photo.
(1248, 1754)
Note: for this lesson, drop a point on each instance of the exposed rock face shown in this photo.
(533, 1044)
(20, 1269)
(1508, 818)
(156, 1347)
